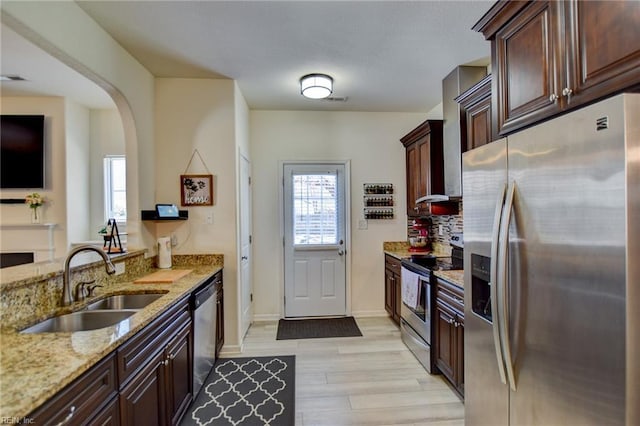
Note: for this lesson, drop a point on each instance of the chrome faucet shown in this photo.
(67, 297)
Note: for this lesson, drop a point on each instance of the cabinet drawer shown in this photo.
(83, 399)
(134, 354)
(450, 294)
(392, 263)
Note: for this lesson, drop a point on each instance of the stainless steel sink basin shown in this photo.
(125, 301)
(80, 321)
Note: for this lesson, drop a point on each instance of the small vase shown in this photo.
(36, 217)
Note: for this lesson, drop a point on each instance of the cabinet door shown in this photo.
(526, 60)
(219, 320)
(397, 299)
(478, 120)
(389, 292)
(445, 342)
(603, 38)
(413, 178)
(142, 401)
(460, 355)
(179, 353)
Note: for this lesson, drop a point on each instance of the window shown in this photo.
(315, 218)
(115, 187)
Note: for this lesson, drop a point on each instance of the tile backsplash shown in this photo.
(449, 223)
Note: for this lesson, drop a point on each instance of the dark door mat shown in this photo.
(246, 391)
(317, 327)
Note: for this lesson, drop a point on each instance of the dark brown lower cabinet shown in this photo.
(162, 391)
(157, 370)
(219, 315)
(108, 416)
(179, 354)
(392, 287)
(449, 334)
(148, 380)
(142, 401)
(85, 401)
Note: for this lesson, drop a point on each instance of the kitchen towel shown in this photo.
(410, 288)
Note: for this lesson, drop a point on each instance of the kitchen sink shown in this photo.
(125, 301)
(80, 321)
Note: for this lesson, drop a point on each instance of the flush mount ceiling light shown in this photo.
(316, 86)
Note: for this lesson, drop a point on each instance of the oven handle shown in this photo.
(495, 312)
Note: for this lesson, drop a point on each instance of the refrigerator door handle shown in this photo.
(503, 280)
(495, 311)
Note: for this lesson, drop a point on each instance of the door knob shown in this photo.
(340, 252)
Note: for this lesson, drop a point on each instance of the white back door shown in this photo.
(314, 236)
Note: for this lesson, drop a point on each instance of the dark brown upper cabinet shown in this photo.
(475, 120)
(549, 57)
(425, 165)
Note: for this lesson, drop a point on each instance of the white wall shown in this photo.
(54, 211)
(107, 138)
(371, 142)
(200, 114)
(78, 183)
(65, 31)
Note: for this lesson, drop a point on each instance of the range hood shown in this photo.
(454, 84)
(438, 198)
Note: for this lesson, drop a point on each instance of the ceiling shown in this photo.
(383, 55)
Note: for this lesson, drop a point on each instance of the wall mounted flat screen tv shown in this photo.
(22, 152)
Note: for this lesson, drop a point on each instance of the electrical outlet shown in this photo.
(440, 230)
(208, 220)
(119, 268)
(174, 240)
(363, 224)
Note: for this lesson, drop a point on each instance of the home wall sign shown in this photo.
(196, 189)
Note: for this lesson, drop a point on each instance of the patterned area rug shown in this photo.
(246, 391)
(317, 327)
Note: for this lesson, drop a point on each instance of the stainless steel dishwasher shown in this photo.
(204, 333)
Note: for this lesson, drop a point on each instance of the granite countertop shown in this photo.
(455, 276)
(400, 250)
(34, 367)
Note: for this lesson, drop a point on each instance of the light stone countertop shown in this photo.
(455, 276)
(34, 367)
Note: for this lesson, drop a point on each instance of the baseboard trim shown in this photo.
(231, 350)
(266, 317)
(366, 314)
(356, 314)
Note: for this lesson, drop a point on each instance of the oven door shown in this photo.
(416, 302)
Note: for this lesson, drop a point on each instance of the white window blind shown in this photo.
(315, 216)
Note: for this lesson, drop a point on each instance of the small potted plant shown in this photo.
(35, 200)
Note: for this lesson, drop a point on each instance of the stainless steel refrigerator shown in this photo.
(552, 272)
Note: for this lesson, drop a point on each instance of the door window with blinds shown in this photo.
(315, 209)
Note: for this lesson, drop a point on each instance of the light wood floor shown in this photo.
(369, 380)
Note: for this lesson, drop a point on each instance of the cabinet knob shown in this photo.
(553, 98)
(566, 91)
(72, 411)
(416, 208)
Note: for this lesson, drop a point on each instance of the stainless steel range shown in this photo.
(416, 310)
